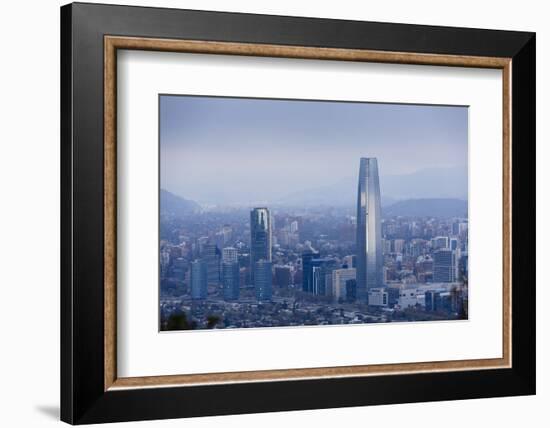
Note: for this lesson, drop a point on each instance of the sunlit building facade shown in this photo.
(369, 229)
(260, 236)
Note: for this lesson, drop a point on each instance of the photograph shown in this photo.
(277, 209)
(291, 212)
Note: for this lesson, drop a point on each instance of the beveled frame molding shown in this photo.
(113, 43)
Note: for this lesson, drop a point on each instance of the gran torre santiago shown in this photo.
(369, 229)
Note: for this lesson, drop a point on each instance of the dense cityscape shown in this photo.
(275, 266)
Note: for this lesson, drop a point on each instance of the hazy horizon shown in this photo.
(239, 150)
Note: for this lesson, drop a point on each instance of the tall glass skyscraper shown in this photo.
(230, 280)
(230, 255)
(211, 256)
(369, 229)
(445, 266)
(263, 280)
(307, 270)
(199, 275)
(260, 237)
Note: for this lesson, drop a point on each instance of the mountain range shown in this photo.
(433, 183)
(427, 208)
(171, 204)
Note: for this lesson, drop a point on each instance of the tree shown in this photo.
(212, 320)
(178, 321)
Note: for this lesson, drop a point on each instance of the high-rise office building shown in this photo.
(386, 246)
(351, 290)
(416, 247)
(283, 276)
(230, 280)
(463, 229)
(178, 267)
(454, 228)
(432, 301)
(199, 244)
(378, 297)
(399, 245)
(263, 280)
(350, 261)
(283, 237)
(321, 274)
(317, 274)
(440, 242)
(260, 237)
(226, 232)
(199, 288)
(453, 244)
(307, 270)
(393, 294)
(230, 255)
(369, 229)
(339, 279)
(211, 256)
(463, 264)
(444, 266)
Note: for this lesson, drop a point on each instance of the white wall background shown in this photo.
(29, 218)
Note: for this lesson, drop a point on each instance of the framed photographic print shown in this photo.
(265, 213)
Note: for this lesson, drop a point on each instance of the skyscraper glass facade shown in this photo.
(263, 280)
(369, 229)
(260, 236)
(198, 279)
(211, 255)
(230, 255)
(307, 266)
(230, 280)
(444, 266)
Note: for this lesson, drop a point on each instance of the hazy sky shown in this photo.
(241, 149)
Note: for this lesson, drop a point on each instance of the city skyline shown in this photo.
(222, 267)
(314, 142)
(312, 258)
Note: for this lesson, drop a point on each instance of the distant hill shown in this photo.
(430, 183)
(171, 204)
(441, 183)
(340, 194)
(427, 208)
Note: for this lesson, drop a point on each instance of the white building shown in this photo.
(407, 297)
(339, 279)
(378, 297)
